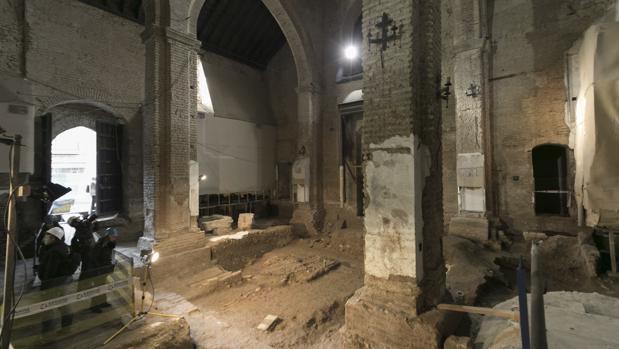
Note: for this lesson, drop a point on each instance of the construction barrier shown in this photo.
(65, 316)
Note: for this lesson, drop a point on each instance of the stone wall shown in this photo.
(527, 106)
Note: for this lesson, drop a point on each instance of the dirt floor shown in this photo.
(306, 284)
(485, 276)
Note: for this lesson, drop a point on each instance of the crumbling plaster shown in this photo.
(395, 178)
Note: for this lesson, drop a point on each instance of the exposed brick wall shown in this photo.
(11, 38)
(450, 189)
(529, 40)
(431, 130)
(69, 51)
(169, 122)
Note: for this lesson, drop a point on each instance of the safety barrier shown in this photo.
(57, 315)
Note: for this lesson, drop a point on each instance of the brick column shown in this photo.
(472, 123)
(169, 125)
(404, 272)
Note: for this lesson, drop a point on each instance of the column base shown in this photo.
(307, 221)
(472, 228)
(385, 314)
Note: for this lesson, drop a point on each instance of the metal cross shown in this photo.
(388, 32)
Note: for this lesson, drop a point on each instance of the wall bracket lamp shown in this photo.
(444, 92)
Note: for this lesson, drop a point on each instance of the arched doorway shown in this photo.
(80, 141)
(551, 180)
(74, 165)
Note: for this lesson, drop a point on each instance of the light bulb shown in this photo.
(351, 52)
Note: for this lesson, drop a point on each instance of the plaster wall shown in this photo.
(253, 126)
(281, 80)
(237, 91)
(235, 155)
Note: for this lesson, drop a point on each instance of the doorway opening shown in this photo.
(74, 165)
(352, 160)
(551, 185)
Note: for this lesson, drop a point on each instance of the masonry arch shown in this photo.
(107, 127)
(308, 81)
(297, 38)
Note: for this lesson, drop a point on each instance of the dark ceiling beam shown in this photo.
(128, 8)
(242, 30)
(264, 49)
(209, 10)
(112, 6)
(263, 24)
(217, 29)
(234, 56)
(247, 24)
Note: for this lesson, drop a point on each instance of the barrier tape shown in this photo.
(54, 303)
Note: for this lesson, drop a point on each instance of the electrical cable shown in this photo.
(152, 285)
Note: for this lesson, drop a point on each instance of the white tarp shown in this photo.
(597, 125)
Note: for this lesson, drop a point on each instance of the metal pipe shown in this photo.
(9, 264)
(342, 186)
(538, 318)
(523, 306)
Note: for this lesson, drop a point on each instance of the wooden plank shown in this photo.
(480, 310)
(613, 253)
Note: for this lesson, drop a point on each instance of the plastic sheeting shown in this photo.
(597, 125)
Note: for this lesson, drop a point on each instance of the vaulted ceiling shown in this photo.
(242, 30)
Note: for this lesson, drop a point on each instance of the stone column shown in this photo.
(472, 122)
(404, 272)
(309, 218)
(169, 124)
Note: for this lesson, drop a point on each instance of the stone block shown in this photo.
(591, 257)
(269, 323)
(534, 236)
(218, 225)
(453, 342)
(472, 228)
(246, 221)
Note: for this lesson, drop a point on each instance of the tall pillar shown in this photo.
(404, 272)
(310, 216)
(169, 123)
(473, 145)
